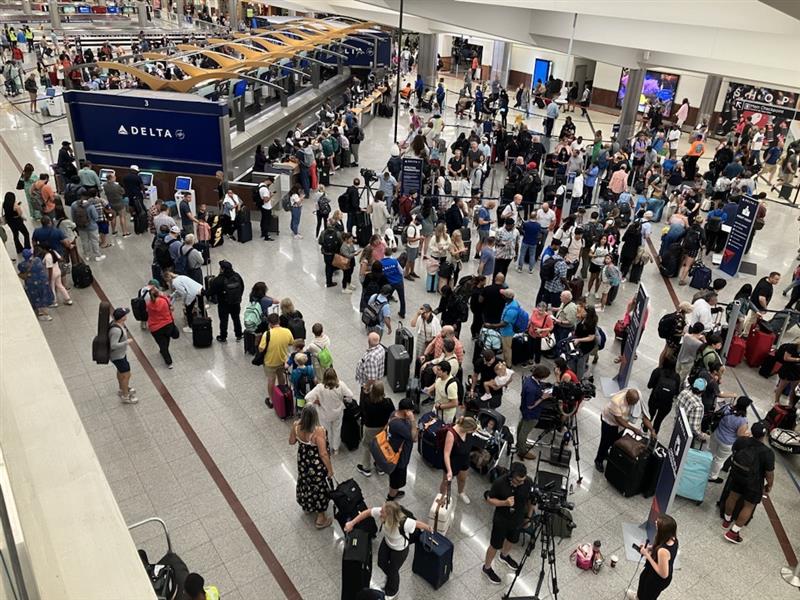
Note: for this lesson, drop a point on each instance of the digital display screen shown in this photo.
(183, 184)
(657, 85)
(147, 179)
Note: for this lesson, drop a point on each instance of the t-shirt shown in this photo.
(506, 245)
(509, 316)
(487, 260)
(266, 197)
(618, 406)
(502, 489)
(765, 459)
(445, 394)
(400, 435)
(493, 303)
(412, 231)
(280, 339)
(50, 236)
(456, 164)
(545, 218)
(185, 211)
(763, 288)
(483, 215)
(394, 539)
(530, 232)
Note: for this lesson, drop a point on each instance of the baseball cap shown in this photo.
(700, 384)
(120, 312)
(758, 429)
(154, 282)
(134, 167)
(174, 229)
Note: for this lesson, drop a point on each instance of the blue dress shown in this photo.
(37, 284)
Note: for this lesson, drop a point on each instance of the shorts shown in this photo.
(122, 364)
(604, 287)
(483, 235)
(411, 254)
(753, 496)
(593, 268)
(102, 227)
(278, 372)
(397, 478)
(502, 531)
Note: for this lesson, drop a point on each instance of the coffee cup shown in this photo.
(613, 558)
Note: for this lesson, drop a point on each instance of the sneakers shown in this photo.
(170, 366)
(493, 577)
(297, 236)
(352, 287)
(486, 396)
(187, 329)
(733, 537)
(99, 258)
(347, 291)
(508, 561)
(129, 399)
(399, 495)
(68, 302)
(725, 523)
(221, 339)
(364, 470)
(239, 338)
(716, 480)
(464, 498)
(330, 285)
(53, 305)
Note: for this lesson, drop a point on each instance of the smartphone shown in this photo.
(636, 547)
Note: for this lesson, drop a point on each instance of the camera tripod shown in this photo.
(570, 434)
(543, 530)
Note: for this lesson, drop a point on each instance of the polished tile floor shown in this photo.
(153, 469)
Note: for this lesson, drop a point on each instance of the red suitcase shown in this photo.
(759, 343)
(736, 351)
(283, 401)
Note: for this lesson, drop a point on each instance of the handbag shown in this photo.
(20, 184)
(582, 555)
(341, 262)
(445, 270)
(258, 359)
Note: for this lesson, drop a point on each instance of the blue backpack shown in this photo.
(182, 263)
(521, 322)
(601, 338)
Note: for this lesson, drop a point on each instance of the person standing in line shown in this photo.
(550, 120)
(265, 194)
(161, 323)
(665, 384)
(37, 287)
(296, 198)
(228, 288)
(15, 219)
(85, 217)
(789, 373)
(731, 427)
(507, 243)
(376, 409)
(682, 114)
(188, 219)
(118, 343)
(52, 259)
(330, 397)
(397, 529)
(275, 344)
(455, 453)
(403, 433)
(660, 561)
(759, 300)
(115, 194)
(752, 475)
(314, 466)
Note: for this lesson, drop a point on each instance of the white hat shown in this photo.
(134, 167)
(174, 229)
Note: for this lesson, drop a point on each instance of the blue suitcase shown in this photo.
(428, 446)
(433, 558)
(694, 478)
(701, 277)
(432, 283)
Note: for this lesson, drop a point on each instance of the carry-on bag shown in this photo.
(443, 509)
(283, 401)
(169, 573)
(101, 346)
(694, 477)
(433, 557)
(356, 563)
(398, 367)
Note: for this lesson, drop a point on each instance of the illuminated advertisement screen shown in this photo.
(657, 85)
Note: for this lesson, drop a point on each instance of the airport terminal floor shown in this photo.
(201, 451)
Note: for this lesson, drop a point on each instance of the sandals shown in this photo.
(325, 524)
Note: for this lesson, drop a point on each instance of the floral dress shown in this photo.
(37, 284)
(312, 492)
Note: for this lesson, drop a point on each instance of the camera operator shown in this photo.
(511, 497)
(622, 410)
(532, 402)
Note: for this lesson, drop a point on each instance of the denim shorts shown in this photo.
(122, 364)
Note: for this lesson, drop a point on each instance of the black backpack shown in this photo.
(459, 309)
(330, 241)
(667, 387)
(548, 269)
(233, 289)
(323, 207)
(744, 464)
(591, 233)
(666, 326)
(297, 326)
(691, 240)
(459, 389)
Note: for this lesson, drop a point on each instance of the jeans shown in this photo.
(334, 429)
(536, 349)
(721, 453)
(223, 311)
(90, 242)
(366, 440)
(162, 337)
(401, 294)
(608, 435)
(390, 562)
(305, 180)
(351, 222)
(527, 253)
(540, 243)
(295, 225)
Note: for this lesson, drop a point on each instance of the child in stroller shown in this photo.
(491, 442)
(426, 103)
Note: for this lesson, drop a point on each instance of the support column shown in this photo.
(501, 62)
(233, 14)
(141, 13)
(426, 59)
(179, 13)
(55, 17)
(26, 7)
(709, 100)
(630, 104)
(315, 75)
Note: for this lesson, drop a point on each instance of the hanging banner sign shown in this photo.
(635, 330)
(741, 230)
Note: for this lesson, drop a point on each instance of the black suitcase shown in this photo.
(348, 501)
(202, 332)
(249, 342)
(785, 192)
(208, 281)
(466, 234)
(413, 392)
(356, 563)
(204, 249)
(244, 231)
(351, 426)
(612, 294)
(767, 368)
(635, 274)
(363, 235)
(521, 349)
(398, 367)
(82, 275)
(625, 473)
(405, 338)
(389, 112)
(140, 223)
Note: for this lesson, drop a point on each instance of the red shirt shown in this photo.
(158, 314)
(573, 378)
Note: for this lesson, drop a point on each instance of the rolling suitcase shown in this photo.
(398, 367)
(428, 445)
(777, 417)
(432, 283)
(348, 501)
(701, 277)
(635, 274)
(694, 477)
(202, 332)
(735, 352)
(626, 464)
(244, 232)
(356, 563)
(250, 342)
(351, 425)
(653, 470)
(759, 343)
(521, 353)
(433, 557)
(785, 192)
(283, 401)
(404, 338)
(101, 347)
(363, 234)
(413, 392)
(442, 511)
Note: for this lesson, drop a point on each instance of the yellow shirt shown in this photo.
(280, 339)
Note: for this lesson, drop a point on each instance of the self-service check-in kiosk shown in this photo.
(104, 174)
(150, 190)
(183, 185)
(53, 102)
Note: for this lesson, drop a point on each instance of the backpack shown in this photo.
(182, 263)
(139, 307)
(548, 269)
(253, 316)
(303, 385)
(36, 198)
(744, 464)
(601, 338)
(257, 194)
(666, 326)
(323, 207)
(717, 416)
(324, 358)
(161, 253)
(286, 202)
(591, 233)
(448, 187)
(330, 241)
(521, 322)
(297, 326)
(233, 290)
(372, 312)
(459, 309)
(666, 388)
(691, 240)
(80, 215)
(412, 538)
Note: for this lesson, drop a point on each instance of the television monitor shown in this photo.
(183, 184)
(147, 179)
(113, 10)
(84, 9)
(104, 173)
(68, 10)
(656, 84)
(50, 92)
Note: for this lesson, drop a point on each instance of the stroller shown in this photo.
(168, 574)
(426, 102)
(491, 442)
(463, 106)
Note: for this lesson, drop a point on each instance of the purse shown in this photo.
(341, 262)
(258, 359)
(20, 184)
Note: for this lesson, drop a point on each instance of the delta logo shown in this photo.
(154, 132)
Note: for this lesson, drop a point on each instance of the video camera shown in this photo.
(369, 176)
(570, 392)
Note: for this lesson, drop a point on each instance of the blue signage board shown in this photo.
(671, 468)
(47, 138)
(635, 330)
(741, 229)
(158, 131)
(366, 45)
(411, 175)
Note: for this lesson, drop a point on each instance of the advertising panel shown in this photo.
(411, 175)
(635, 330)
(758, 106)
(740, 232)
(657, 84)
